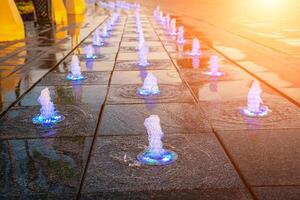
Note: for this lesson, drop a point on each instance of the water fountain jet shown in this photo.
(143, 56)
(180, 35)
(75, 74)
(48, 115)
(195, 48)
(89, 52)
(214, 67)
(255, 107)
(150, 86)
(155, 154)
(173, 27)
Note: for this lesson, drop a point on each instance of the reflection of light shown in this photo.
(270, 4)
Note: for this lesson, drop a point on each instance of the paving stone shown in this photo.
(124, 49)
(265, 157)
(122, 94)
(277, 193)
(151, 56)
(128, 119)
(92, 95)
(137, 77)
(227, 115)
(80, 120)
(113, 166)
(200, 194)
(92, 78)
(153, 65)
(87, 65)
(41, 168)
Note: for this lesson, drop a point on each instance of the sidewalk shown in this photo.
(92, 153)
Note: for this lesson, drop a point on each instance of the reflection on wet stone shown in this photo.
(168, 93)
(35, 167)
(79, 120)
(92, 78)
(153, 65)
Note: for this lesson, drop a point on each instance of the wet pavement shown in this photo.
(92, 153)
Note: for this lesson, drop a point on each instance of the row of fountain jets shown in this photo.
(154, 154)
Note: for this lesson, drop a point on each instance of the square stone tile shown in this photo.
(277, 193)
(216, 90)
(122, 94)
(93, 78)
(137, 77)
(37, 168)
(151, 56)
(265, 157)
(113, 166)
(134, 38)
(227, 115)
(80, 120)
(124, 49)
(197, 76)
(100, 56)
(175, 194)
(104, 50)
(92, 95)
(149, 43)
(153, 65)
(176, 118)
(87, 65)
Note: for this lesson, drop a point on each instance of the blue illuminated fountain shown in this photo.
(173, 27)
(143, 56)
(214, 67)
(155, 154)
(150, 86)
(255, 107)
(104, 33)
(97, 40)
(89, 52)
(75, 74)
(141, 42)
(180, 35)
(195, 48)
(48, 115)
(167, 22)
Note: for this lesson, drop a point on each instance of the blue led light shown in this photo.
(90, 56)
(214, 73)
(72, 77)
(149, 158)
(195, 54)
(263, 111)
(145, 92)
(55, 118)
(143, 64)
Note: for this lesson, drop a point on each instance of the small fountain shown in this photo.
(141, 41)
(255, 106)
(75, 74)
(104, 33)
(156, 12)
(195, 48)
(195, 62)
(167, 22)
(214, 67)
(150, 86)
(173, 27)
(155, 154)
(161, 16)
(143, 56)
(180, 35)
(48, 115)
(109, 26)
(97, 40)
(89, 52)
